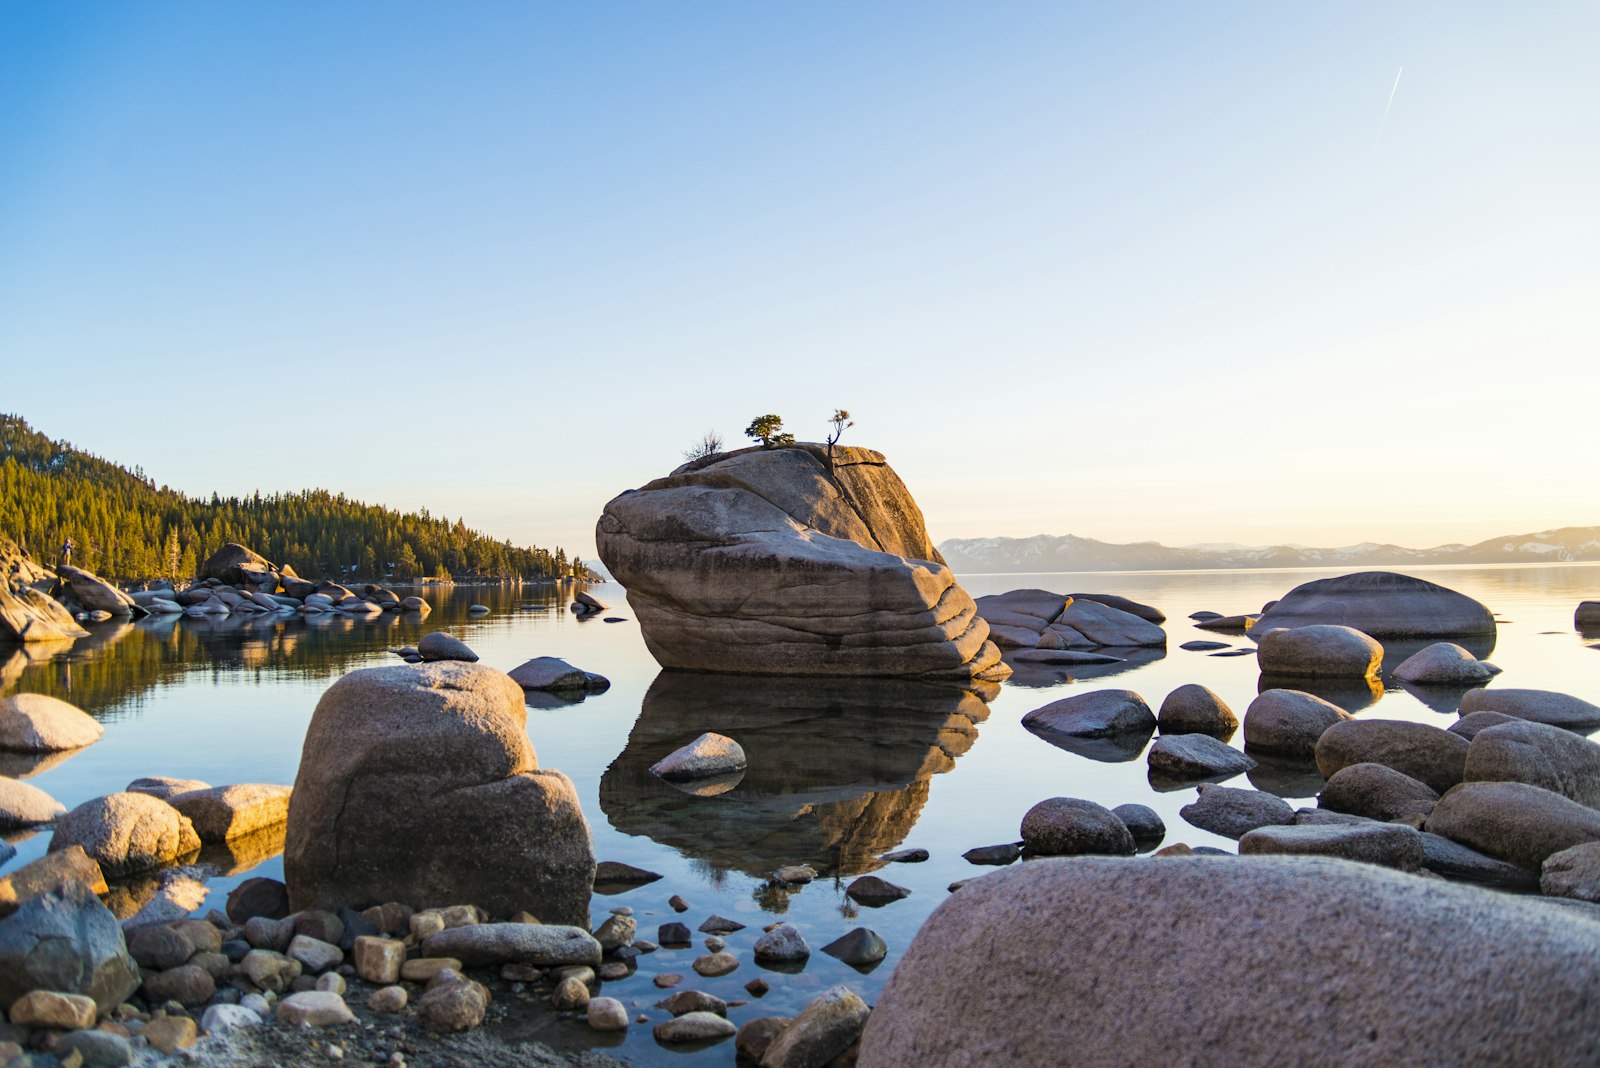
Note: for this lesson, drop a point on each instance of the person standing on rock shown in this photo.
(67, 546)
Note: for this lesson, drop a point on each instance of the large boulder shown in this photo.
(419, 784)
(67, 941)
(1382, 604)
(95, 593)
(1428, 754)
(1539, 706)
(228, 564)
(38, 723)
(1318, 651)
(1514, 821)
(766, 562)
(26, 614)
(127, 833)
(1386, 968)
(1038, 619)
(1537, 754)
(1288, 723)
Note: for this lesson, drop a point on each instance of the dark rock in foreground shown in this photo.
(419, 784)
(1387, 969)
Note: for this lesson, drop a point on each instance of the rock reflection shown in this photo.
(1352, 695)
(1037, 675)
(838, 769)
(238, 855)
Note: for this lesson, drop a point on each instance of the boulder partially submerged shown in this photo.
(774, 561)
(1038, 619)
(419, 784)
(1387, 969)
(1382, 604)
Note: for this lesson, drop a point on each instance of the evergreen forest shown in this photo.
(126, 528)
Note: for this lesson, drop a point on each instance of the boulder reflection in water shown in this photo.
(838, 768)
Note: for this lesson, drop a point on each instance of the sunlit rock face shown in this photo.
(763, 562)
(837, 771)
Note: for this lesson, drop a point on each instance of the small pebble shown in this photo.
(678, 904)
(668, 980)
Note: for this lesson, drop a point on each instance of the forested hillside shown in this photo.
(125, 527)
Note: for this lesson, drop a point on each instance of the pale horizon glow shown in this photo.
(1135, 273)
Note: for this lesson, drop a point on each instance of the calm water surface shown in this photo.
(840, 772)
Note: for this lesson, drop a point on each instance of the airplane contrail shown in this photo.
(1382, 123)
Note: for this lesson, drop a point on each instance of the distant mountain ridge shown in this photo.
(1068, 552)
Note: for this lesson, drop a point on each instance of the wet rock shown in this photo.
(825, 1028)
(693, 1027)
(1380, 603)
(437, 645)
(1375, 960)
(1377, 792)
(1539, 706)
(1201, 646)
(1513, 821)
(612, 876)
(1004, 853)
(1194, 756)
(544, 945)
(874, 892)
(314, 1008)
(905, 856)
(861, 947)
(714, 964)
(404, 762)
(798, 874)
(1142, 821)
(1093, 715)
(35, 723)
(1318, 652)
(1428, 754)
(606, 1014)
(223, 812)
(1233, 813)
(127, 833)
(65, 940)
(1573, 873)
(1540, 755)
(551, 674)
(1194, 709)
(687, 1001)
(1288, 723)
(1060, 826)
(756, 1035)
(570, 993)
(707, 756)
(1444, 664)
(781, 945)
(1389, 844)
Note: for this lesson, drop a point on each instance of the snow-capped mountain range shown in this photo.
(1068, 552)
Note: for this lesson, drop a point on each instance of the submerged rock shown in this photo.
(419, 784)
(774, 561)
(707, 756)
(1444, 664)
(1288, 723)
(1093, 715)
(1423, 972)
(552, 674)
(1196, 709)
(1061, 826)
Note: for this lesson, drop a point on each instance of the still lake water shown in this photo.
(840, 772)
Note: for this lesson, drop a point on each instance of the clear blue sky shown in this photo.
(1122, 270)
